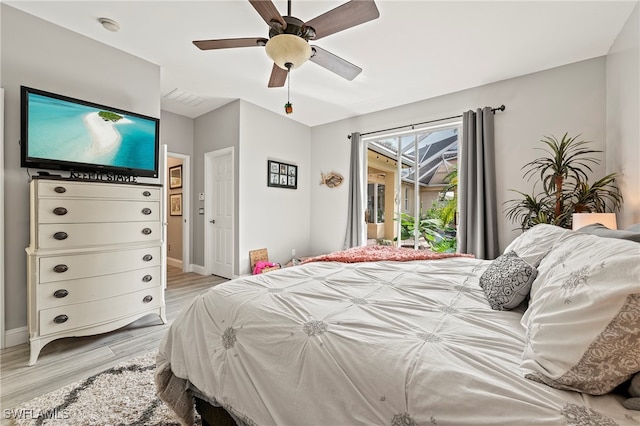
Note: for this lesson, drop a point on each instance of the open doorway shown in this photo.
(178, 211)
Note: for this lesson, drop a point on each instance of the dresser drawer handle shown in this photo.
(147, 278)
(60, 189)
(60, 211)
(60, 236)
(146, 231)
(60, 268)
(146, 211)
(147, 257)
(147, 299)
(146, 194)
(60, 319)
(60, 293)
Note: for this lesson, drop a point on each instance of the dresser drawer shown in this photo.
(66, 210)
(63, 189)
(71, 267)
(73, 235)
(58, 319)
(95, 288)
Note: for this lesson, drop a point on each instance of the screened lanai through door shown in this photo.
(412, 188)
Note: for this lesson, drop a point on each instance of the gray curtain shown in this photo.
(355, 209)
(478, 227)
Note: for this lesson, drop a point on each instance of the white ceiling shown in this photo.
(415, 50)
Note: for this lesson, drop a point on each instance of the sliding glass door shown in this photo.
(412, 188)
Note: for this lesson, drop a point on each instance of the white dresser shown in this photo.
(94, 258)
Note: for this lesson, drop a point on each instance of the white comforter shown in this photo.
(385, 343)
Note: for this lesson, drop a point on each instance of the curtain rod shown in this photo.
(493, 110)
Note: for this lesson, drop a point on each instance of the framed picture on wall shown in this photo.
(282, 175)
(175, 204)
(175, 177)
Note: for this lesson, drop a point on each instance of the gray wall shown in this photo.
(565, 99)
(176, 131)
(623, 112)
(39, 54)
(265, 217)
(212, 131)
(275, 218)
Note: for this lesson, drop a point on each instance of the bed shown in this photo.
(547, 333)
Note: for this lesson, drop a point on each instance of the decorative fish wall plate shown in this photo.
(332, 179)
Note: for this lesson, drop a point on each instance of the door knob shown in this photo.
(212, 221)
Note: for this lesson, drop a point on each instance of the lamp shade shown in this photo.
(288, 48)
(584, 219)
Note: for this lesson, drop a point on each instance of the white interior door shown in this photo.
(219, 212)
(162, 178)
(2, 310)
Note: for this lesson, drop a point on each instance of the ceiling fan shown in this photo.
(288, 42)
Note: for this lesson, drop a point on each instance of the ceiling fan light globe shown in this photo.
(288, 48)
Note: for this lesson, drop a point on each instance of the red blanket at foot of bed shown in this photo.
(381, 253)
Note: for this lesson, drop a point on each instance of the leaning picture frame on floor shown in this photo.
(282, 175)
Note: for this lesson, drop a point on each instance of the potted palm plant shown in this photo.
(562, 173)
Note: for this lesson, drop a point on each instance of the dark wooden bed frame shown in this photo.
(213, 416)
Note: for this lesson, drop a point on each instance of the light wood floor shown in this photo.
(68, 360)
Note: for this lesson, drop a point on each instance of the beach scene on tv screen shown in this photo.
(66, 131)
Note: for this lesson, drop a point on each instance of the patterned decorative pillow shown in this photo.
(535, 243)
(583, 320)
(507, 281)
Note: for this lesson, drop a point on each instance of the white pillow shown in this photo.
(534, 244)
(583, 320)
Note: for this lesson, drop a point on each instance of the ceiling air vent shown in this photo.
(184, 97)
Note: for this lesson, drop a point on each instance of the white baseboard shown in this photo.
(16, 336)
(197, 269)
(174, 262)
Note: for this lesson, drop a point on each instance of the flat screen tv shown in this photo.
(63, 133)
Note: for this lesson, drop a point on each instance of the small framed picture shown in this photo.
(282, 175)
(175, 177)
(175, 204)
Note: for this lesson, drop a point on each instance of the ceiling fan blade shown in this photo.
(347, 15)
(334, 63)
(268, 11)
(278, 77)
(230, 42)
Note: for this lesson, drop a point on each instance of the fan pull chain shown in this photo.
(288, 108)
